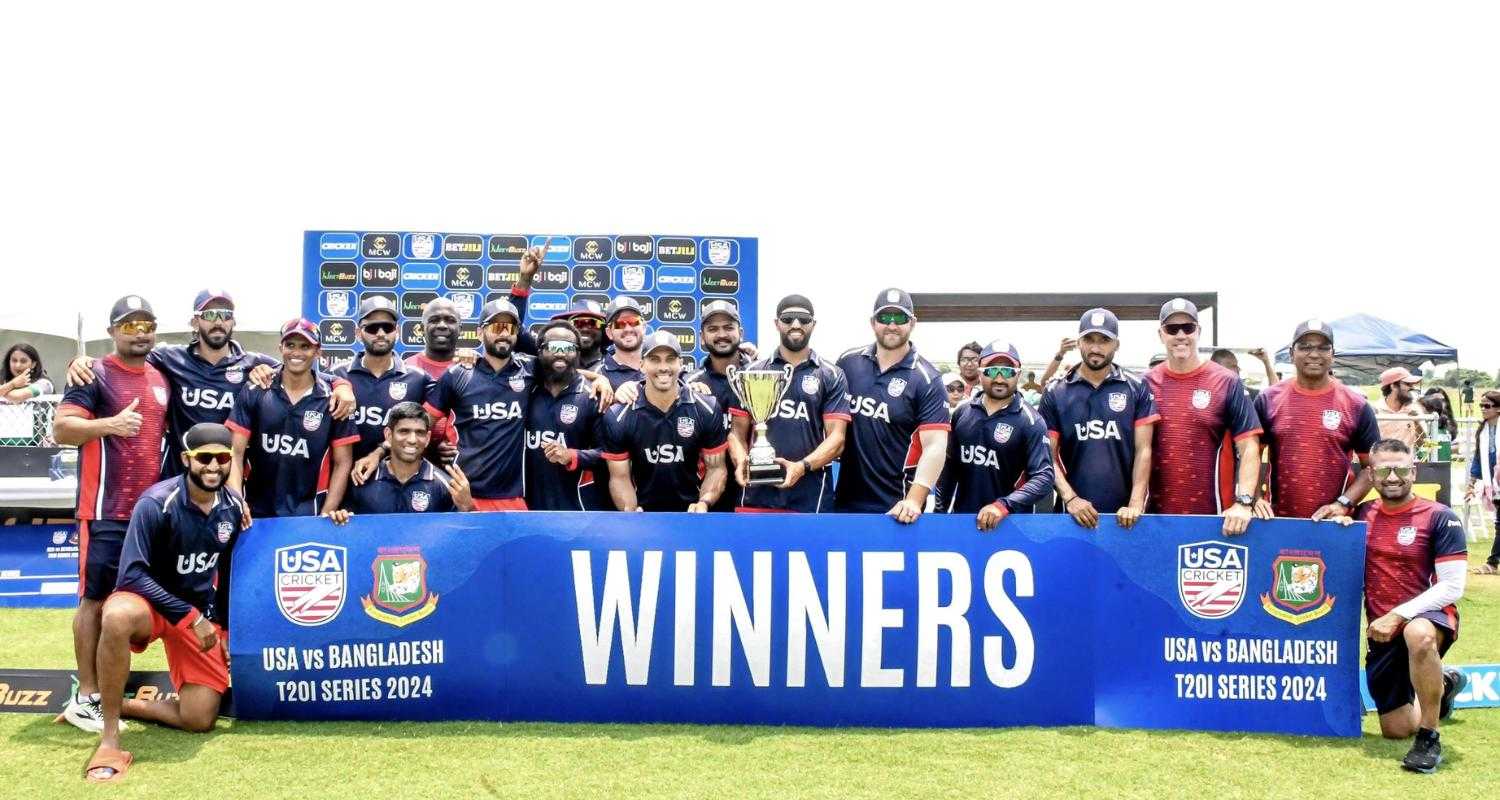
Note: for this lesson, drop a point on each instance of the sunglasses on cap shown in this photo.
(374, 328)
(500, 327)
(206, 457)
(136, 327)
(1381, 473)
(796, 319)
(215, 314)
(558, 347)
(893, 318)
(1000, 371)
(625, 321)
(1174, 328)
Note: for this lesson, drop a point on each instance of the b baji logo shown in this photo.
(401, 596)
(634, 248)
(310, 582)
(1211, 578)
(1298, 594)
(380, 274)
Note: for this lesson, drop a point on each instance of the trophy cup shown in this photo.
(759, 390)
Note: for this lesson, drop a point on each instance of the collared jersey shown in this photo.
(174, 553)
(618, 374)
(384, 493)
(1203, 413)
(1313, 437)
(113, 471)
(1402, 550)
(889, 409)
(290, 446)
(571, 419)
(817, 394)
(375, 396)
(665, 448)
(489, 409)
(201, 392)
(1094, 430)
(1001, 457)
(718, 385)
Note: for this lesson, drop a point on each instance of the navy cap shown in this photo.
(719, 307)
(999, 349)
(209, 436)
(661, 339)
(497, 308)
(208, 296)
(581, 308)
(1314, 325)
(795, 302)
(1099, 320)
(1177, 305)
(130, 305)
(620, 305)
(375, 303)
(303, 328)
(894, 298)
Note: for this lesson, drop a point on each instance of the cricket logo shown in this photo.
(1297, 592)
(896, 387)
(1201, 398)
(568, 414)
(400, 596)
(719, 253)
(1211, 578)
(1332, 418)
(397, 391)
(1003, 433)
(310, 582)
(1117, 401)
(632, 277)
(810, 384)
(423, 245)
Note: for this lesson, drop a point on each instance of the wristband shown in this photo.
(806, 466)
(1058, 357)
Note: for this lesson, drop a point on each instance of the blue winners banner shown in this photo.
(670, 276)
(806, 620)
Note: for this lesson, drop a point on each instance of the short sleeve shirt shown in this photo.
(1203, 412)
(665, 448)
(1313, 437)
(289, 449)
(889, 409)
(1093, 428)
(113, 471)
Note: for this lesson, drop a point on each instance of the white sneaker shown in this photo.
(86, 714)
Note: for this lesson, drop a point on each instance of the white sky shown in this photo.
(1300, 158)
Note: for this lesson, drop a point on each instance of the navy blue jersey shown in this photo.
(718, 386)
(665, 449)
(571, 419)
(384, 493)
(489, 409)
(817, 393)
(1001, 457)
(1094, 430)
(201, 392)
(617, 373)
(375, 397)
(174, 553)
(287, 458)
(889, 410)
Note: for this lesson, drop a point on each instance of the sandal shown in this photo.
(112, 759)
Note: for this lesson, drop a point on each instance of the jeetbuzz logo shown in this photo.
(401, 596)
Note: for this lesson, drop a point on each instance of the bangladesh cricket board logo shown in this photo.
(401, 596)
(311, 582)
(1298, 594)
(1211, 578)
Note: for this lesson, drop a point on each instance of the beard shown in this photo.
(723, 348)
(201, 481)
(499, 348)
(795, 345)
(378, 349)
(552, 374)
(217, 339)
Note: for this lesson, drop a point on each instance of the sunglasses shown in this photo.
(1000, 372)
(375, 328)
(625, 322)
(585, 323)
(1174, 328)
(796, 319)
(1381, 473)
(500, 328)
(205, 458)
(1487, 406)
(559, 347)
(136, 327)
(215, 315)
(893, 318)
(1306, 347)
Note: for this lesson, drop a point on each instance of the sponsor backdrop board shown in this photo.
(671, 276)
(39, 566)
(810, 620)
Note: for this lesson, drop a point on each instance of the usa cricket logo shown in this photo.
(1117, 401)
(311, 579)
(568, 414)
(1211, 578)
(1201, 398)
(685, 427)
(1332, 418)
(420, 501)
(224, 530)
(1003, 432)
(312, 421)
(810, 384)
(397, 391)
(896, 387)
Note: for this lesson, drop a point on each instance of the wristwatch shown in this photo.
(1247, 500)
(1344, 501)
(806, 466)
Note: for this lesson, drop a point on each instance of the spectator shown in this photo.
(1226, 358)
(968, 369)
(1435, 401)
(957, 389)
(1482, 471)
(1031, 391)
(1466, 398)
(1396, 385)
(25, 377)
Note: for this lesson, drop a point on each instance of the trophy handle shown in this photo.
(786, 385)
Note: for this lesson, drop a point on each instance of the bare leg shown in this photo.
(1399, 724)
(125, 619)
(86, 644)
(194, 709)
(1426, 669)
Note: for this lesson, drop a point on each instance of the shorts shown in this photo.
(500, 504)
(185, 662)
(99, 545)
(1388, 665)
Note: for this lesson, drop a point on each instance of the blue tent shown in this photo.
(1365, 346)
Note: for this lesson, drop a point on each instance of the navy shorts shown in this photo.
(99, 544)
(1388, 665)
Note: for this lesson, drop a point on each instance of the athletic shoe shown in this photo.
(86, 714)
(1454, 681)
(1425, 754)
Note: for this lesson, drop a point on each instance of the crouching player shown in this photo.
(169, 572)
(405, 482)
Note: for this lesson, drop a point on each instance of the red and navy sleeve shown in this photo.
(836, 395)
(1039, 475)
(932, 408)
(1240, 415)
(1366, 430)
(614, 434)
(242, 417)
(142, 541)
(438, 399)
(344, 432)
(711, 421)
(86, 400)
(1048, 410)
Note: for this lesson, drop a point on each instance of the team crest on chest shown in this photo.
(896, 387)
(1117, 401)
(1406, 535)
(398, 391)
(312, 420)
(1003, 432)
(810, 384)
(160, 393)
(1332, 418)
(420, 501)
(685, 427)
(568, 414)
(517, 383)
(235, 375)
(223, 531)
(1201, 398)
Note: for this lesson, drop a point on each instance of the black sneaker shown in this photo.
(1454, 681)
(1425, 754)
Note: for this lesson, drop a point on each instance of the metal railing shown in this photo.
(28, 424)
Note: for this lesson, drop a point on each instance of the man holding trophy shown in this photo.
(799, 406)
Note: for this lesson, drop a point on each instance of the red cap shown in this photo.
(1398, 374)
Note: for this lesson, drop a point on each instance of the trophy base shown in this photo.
(767, 474)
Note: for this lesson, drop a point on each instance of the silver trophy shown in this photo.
(759, 391)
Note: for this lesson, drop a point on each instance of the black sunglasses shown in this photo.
(796, 319)
(1174, 328)
(205, 459)
(375, 328)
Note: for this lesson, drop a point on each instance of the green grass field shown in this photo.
(40, 759)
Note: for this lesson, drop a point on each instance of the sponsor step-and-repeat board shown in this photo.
(670, 276)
